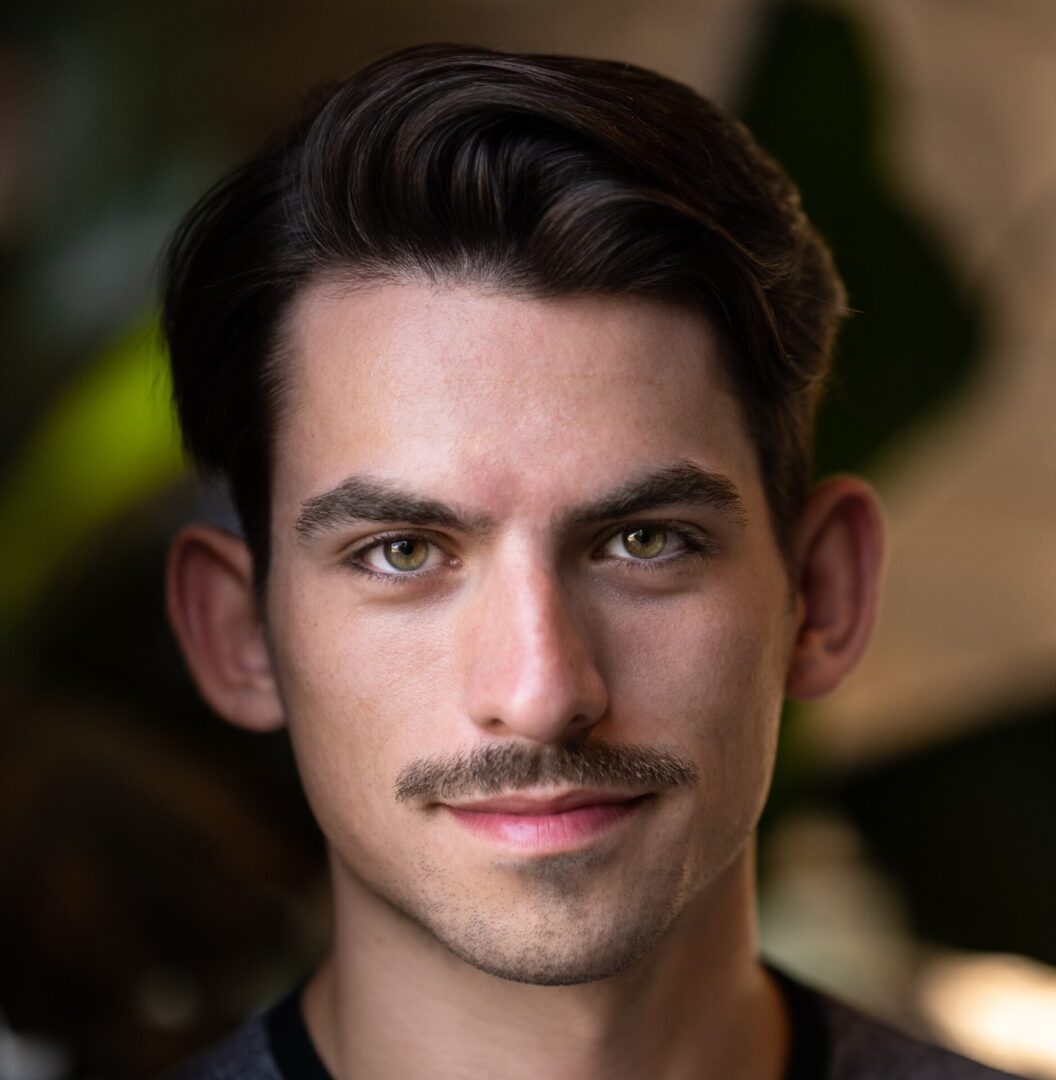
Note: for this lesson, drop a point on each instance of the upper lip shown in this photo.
(543, 803)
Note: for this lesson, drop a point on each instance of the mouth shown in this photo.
(546, 822)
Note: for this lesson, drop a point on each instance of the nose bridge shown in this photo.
(530, 670)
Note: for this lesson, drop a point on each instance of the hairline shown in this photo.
(342, 280)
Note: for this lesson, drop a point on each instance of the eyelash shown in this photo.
(696, 545)
(352, 559)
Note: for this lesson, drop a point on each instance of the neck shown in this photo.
(391, 1001)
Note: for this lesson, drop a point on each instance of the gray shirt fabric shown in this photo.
(861, 1048)
(246, 1055)
(831, 1041)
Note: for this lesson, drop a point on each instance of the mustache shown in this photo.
(495, 768)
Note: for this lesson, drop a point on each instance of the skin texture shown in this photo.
(626, 953)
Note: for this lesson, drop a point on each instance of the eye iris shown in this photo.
(407, 554)
(645, 542)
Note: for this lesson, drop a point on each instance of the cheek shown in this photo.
(361, 697)
(338, 660)
(707, 676)
(702, 657)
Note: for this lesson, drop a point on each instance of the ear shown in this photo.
(840, 551)
(213, 609)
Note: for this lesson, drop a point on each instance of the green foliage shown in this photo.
(107, 443)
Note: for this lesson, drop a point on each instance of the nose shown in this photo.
(529, 669)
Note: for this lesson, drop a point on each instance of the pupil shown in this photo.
(405, 554)
(644, 542)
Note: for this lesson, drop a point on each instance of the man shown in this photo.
(511, 364)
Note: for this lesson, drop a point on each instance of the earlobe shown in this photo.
(840, 544)
(212, 606)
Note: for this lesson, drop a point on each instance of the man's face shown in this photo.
(507, 531)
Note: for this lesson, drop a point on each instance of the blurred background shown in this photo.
(161, 875)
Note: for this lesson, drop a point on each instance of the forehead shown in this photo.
(491, 398)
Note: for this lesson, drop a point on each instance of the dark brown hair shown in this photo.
(539, 175)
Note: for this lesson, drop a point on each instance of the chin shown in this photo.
(541, 966)
(556, 944)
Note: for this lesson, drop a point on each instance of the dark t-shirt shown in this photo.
(830, 1041)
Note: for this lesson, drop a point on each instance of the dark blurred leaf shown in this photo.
(817, 104)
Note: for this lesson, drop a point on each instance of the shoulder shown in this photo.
(859, 1047)
(245, 1055)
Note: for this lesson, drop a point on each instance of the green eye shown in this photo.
(408, 553)
(644, 541)
(396, 557)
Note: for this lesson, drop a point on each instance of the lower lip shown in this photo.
(546, 832)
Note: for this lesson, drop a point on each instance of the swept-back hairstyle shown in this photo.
(537, 175)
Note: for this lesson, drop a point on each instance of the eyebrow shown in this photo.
(360, 498)
(682, 482)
